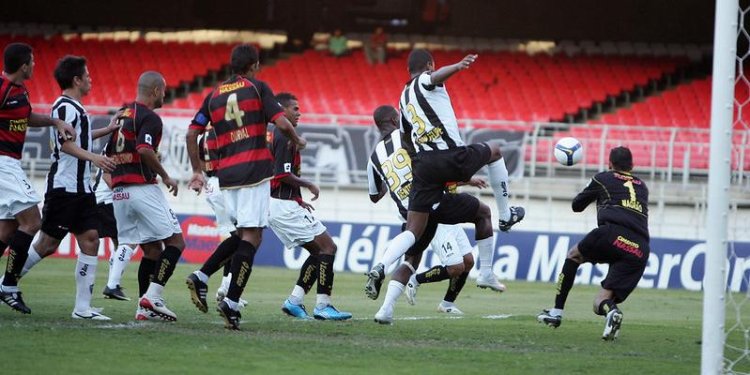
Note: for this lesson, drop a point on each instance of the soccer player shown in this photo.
(389, 171)
(142, 213)
(240, 109)
(120, 257)
(439, 156)
(292, 221)
(19, 214)
(621, 240)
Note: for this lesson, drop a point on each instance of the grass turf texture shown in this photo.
(660, 335)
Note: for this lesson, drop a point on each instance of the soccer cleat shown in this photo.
(198, 290)
(143, 315)
(517, 214)
(384, 315)
(545, 317)
(374, 281)
(14, 300)
(411, 292)
(89, 315)
(115, 293)
(328, 312)
(231, 317)
(490, 282)
(612, 324)
(293, 310)
(157, 305)
(449, 308)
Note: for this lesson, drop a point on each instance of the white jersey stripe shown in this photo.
(67, 171)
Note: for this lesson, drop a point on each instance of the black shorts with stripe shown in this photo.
(65, 213)
(624, 250)
(433, 169)
(107, 223)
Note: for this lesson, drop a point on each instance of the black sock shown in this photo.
(145, 271)
(433, 275)
(227, 267)
(325, 274)
(3, 246)
(220, 256)
(455, 286)
(565, 282)
(242, 266)
(308, 274)
(606, 306)
(166, 264)
(17, 255)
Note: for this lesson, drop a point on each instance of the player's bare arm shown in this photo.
(39, 121)
(375, 198)
(104, 163)
(441, 75)
(287, 128)
(476, 182)
(148, 156)
(198, 180)
(110, 128)
(293, 180)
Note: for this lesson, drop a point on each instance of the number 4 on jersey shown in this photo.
(233, 111)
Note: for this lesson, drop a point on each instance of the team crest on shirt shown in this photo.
(149, 140)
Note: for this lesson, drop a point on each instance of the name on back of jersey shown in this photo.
(18, 125)
(430, 136)
(229, 87)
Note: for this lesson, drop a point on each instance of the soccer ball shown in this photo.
(568, 151)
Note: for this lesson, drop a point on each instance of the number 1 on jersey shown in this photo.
(233, 111)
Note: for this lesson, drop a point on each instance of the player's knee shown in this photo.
(484, 213)
(176, 241)
(468, 261)
(89, 242)
(31, 226)
(455, 270)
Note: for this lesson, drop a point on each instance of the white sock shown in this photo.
(117, 263)
(556, 312)
(446, 303)
(297, 296)
(323, 300)
(201, 276)
(232, 305)
(395, 289)
(486, 255)
(397, 247)
(498, 175)
(225, 281)
(413, 280)
(154, 290)
(85, 275)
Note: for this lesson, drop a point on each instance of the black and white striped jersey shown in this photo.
(390, 163)
(427, 114)
(102, 191)
(67, 171)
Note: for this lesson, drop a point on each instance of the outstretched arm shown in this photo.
(441, 75)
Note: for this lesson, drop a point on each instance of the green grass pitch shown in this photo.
(499, 334)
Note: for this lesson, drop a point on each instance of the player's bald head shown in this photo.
(384, 116)
(150, 80)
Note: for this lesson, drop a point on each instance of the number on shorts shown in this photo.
(233, 112)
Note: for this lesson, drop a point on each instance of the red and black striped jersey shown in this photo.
(140, 127)
(207, 151)
(286, 161)
(239, 110)
(15, 109)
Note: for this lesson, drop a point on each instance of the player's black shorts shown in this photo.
(432, 169)
(107, 222)
(453, 209)
(626, 252)
(65, 213)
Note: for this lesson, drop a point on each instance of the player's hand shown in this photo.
(306, 205)
(114, 122)
(197, 182)
(301, 144)
(477, 182)
(67, 131)
(467, 61)
(314, 190)
(104, 163)
(171, 185)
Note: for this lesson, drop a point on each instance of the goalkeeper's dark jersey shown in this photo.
(621, 199)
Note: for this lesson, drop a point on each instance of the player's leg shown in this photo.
(29, 222)
(197, 282)
(498, 176)
(119, 257)
(396, 286)
(308, 275)
(553, 317)
(324, 246)
(7, 228)
(85, 275)
(448, 305)
(151, 253)
(444, 244)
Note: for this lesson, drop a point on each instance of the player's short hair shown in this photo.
(285, 98)
(621, 158)
(383, 114)
(68, 68)
(418, 60)
(243, 56)
(15, 55)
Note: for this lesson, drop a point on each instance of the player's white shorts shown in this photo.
(16, 192)
(450, 244)
(247, 207)
(294, 225)
(143, 214)
(215, 199)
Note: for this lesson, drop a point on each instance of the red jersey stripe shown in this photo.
(245, 157)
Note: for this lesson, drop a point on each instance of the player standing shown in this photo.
(292, 221)
(239, 110)
(19, 214)
(141, 210)
(621, 240)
